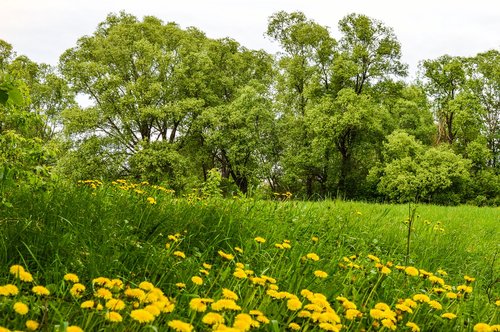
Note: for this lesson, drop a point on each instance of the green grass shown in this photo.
(117, 234)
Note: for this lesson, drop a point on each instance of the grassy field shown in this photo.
(126, 257)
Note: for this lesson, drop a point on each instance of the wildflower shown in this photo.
(32, 325)
(329, 327)
(374, 258)
(411, 271)
(207, 266)
(349, 305)
(320, 274)
(451, 295)
(403, 307)
(449, 315)
(238, 249)
(153, 310)
(263, 319)
(385, 270)
(213, 318)
(286, 245)
(294, 326)
(436, 280)
(464, 288)
(228, 294)
(197, 304)
(382, 306)
(71, 277)
(304, 314)
(179, 254)
(482, 327)
(469, 279)
(99, 307)
(205, 272)
(113, 316)
(497, 303)
(8, 290)
(351, 314)
(376, 313)
(294, 304)
(16, 270)
(240, 274)
(180, 285)
(21, 308)
(87, 304)
(259, 239)
(389, 323)
(146, 285)
(278, 245)
(314, 239)
(25, 276)
(243, 322)
(229, 257)
(135, 293)
(40, 290)
(103, 293)
(421, 298)
(173, 238)
(151, 200)
(180, 326)
(225, 304)
(142, 316)
(77, 290)
(435, 304)
(73, 328)
(115, 305)
(414, 327)
(312, 256)
(197, 280)
(442, 272)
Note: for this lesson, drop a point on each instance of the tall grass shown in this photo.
(118, 233)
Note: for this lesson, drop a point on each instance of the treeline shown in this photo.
(328, 116)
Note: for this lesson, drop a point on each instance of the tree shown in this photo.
(369, 52)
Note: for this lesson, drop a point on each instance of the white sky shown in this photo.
(44, 29)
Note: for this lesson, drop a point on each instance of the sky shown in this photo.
(44, 29)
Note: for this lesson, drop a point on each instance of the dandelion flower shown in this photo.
(71, 277)
(180, 326)
(224, 304)
(142, 316)
(320, 274)
(421, 298)
(103, 293)
(411, 271)
(451, 295)
(449, 315)
(229, 294)
(351, 314)
(113, 316)
(40, 290)
(259, 239)
(146, 285)
(8, 290)
(197, 280)
(482, 327)
(180, 285)
(229, 257)
(464, 288)
(87, 304)
(376, 313)
(16, 270)
(294, 326)
(197, 304)
(213, 318)
(414, 327)
(153, 310)
(385, 270)
(240, 274)
(389, 323)
(77, 290)
(32, 325)
(151, 200)
(25, 276)
(435, 304)
(74, 328)
(294, 304)
(115, 305)
(21, 308)
(238, 249)
(179, 254)
(312, 256)
(374, 258)
(497, 303)
(469, 279)
(207, 266)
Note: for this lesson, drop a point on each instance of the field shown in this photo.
(130, 257)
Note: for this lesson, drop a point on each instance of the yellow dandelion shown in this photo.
(146, 285)
(142, 316)
(205, 272)
(451, 295)
(40, 290)
(389, 323)
(207, 266)
(259, 239)
(77, 290)
(351, 314)
(263, 319)
(482, 327)
(435, 304)
(229, 294)
(74, 328)
(21, 308)
(320, 274)
(229, 257)
(414, 327)
(113, 317)
(16, 270)
(153, 310)
(25, 276)
(449, 315)
(8, 290)
(238, 249)
(151, 200)
(180, 326)
(412, 271)
(71, 277)
(103, 293)
(497, 303)
(312, 256)
(294, 326)
(294, 304)
(469, 279)
(240, 274)
(374, 258)
(179, 254)
(32, 325)
(213, 318)
(224, 304)
(314, 239)
(197, 280)
(464, 288)
(180, 285)
(197, 304)
(87, 304)
(115, 304)
(421, 298)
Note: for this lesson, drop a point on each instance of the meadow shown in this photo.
(133, 257)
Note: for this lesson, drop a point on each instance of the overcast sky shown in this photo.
(44, 29)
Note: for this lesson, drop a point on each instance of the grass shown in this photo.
(113, 231)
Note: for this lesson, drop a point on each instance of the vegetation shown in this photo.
(210, 142)
(280, 265)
